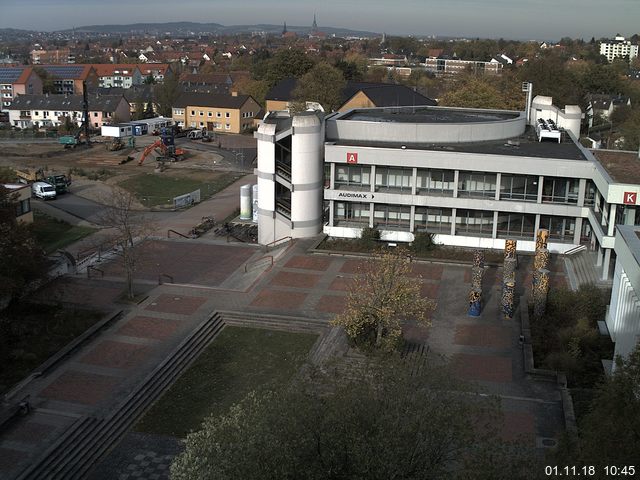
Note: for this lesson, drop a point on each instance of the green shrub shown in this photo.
(422, 243)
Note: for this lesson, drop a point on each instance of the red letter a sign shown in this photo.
(630, 198)
(352, 157)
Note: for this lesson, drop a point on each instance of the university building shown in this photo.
(471, 177)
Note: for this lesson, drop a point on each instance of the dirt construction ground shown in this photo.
(98, 166)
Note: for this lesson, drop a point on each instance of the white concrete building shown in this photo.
(471, 177)
(623, 316)
(618, 47)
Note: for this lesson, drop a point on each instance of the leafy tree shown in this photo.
(602, 79)
(550, 78)
(350, 71)
(284, 64)
(323, 84)
(385, 423)
(148, 111)
(381, 296)
(482, 92)
(48, 85)
(630, 131)
(149, 80)
(23, 260)
(165, 95)
(610, 433)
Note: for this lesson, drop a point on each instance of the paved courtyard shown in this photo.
(98, 375)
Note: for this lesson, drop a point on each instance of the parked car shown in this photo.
(44, 190)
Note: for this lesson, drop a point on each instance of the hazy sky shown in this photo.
(519, 19)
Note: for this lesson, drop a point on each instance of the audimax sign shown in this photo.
(363, 196)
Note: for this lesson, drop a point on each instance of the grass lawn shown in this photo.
(30, 334)
(53, 234)
(154, 189)
(238, 361)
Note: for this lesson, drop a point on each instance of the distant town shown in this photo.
(284, 251)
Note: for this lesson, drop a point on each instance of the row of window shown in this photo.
(470, 184)
(477, 223)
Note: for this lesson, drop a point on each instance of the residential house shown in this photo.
(445, 65)
(232, 113)
(18, 81)
(159, 71)
(28, 111)
(58, 55)
(138, 96)
(70, 79)
(117, 75)
(20, 197)
(354, 95)
(603, 105)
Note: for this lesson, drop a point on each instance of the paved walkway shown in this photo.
(96, 377)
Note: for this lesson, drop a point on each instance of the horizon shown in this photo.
(488, 18)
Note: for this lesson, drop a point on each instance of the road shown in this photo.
(78, 210)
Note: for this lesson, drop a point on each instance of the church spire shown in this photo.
(284, 30)
(314, 26)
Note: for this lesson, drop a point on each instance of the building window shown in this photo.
(561, 229)
(218, 115)
(560, 190)
(193, 113)
(227, 115)
(519, 187)
(516, 225)
(477, 223)
(209, 114)
(23, 207)
(435, 182)
(590, 194)
(393, 179)
(351, 214)
(95, 114)
(227, 126)
(201, 113)
(476, 184)
(350, 177)
(432, 220)
(394, 217)
(201, 124)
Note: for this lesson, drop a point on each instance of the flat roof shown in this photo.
(427, 114)
(525, 145)
(623, 166)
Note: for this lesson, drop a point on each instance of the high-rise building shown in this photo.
(619, 47)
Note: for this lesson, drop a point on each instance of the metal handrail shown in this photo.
(164, 275)
(275, 242)
(177, 233)
(577, 249)
(91, 267)
(246, 265)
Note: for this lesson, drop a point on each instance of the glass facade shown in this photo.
(392, 217)
(397, 180)
(435, 182)
(351, 177)
(476, 223)
(519, 187)
(560, 190)
(561, 229)
(476, 184)
(433, 220)
(348, 214)
(516, 225)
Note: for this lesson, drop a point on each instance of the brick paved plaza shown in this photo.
(302, 284)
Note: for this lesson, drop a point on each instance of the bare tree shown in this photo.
(128, 229)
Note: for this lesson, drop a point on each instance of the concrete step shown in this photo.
(275, 322)
(81, 448)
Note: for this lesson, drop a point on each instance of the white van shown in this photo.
(44, 190)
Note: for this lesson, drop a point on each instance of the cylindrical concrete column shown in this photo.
(475, 303)
(508, 298)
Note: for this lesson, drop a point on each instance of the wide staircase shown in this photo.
(582, 270)
(90, 437)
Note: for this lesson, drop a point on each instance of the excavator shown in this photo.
(165, 147)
